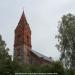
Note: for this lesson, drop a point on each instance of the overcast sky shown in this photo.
(42, 16)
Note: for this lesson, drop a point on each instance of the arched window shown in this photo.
(20, 55)
(27, 39)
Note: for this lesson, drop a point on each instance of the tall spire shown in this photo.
(23, 18)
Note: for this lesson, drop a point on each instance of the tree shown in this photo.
(66, 40)
(5, 59)
(55, 67)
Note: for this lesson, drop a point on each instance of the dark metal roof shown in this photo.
(42, 56)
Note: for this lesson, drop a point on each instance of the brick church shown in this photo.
(23, 52)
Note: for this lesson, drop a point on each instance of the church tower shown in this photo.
(22, 42)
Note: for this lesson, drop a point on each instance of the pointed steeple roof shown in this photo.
(22, 23)
(23, 18)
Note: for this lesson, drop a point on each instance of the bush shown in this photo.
(55, 67)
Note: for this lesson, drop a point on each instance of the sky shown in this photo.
(42, 16)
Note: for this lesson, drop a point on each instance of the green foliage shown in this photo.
(55, 67)
(66, 38)
(5, 59)
(70, 72)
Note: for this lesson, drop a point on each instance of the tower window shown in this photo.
(19, 36)
(20, 55)
(18, 52)
(27, 39)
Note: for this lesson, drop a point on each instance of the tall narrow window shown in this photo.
(18, 52)
(20, 55)
(28, 39)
